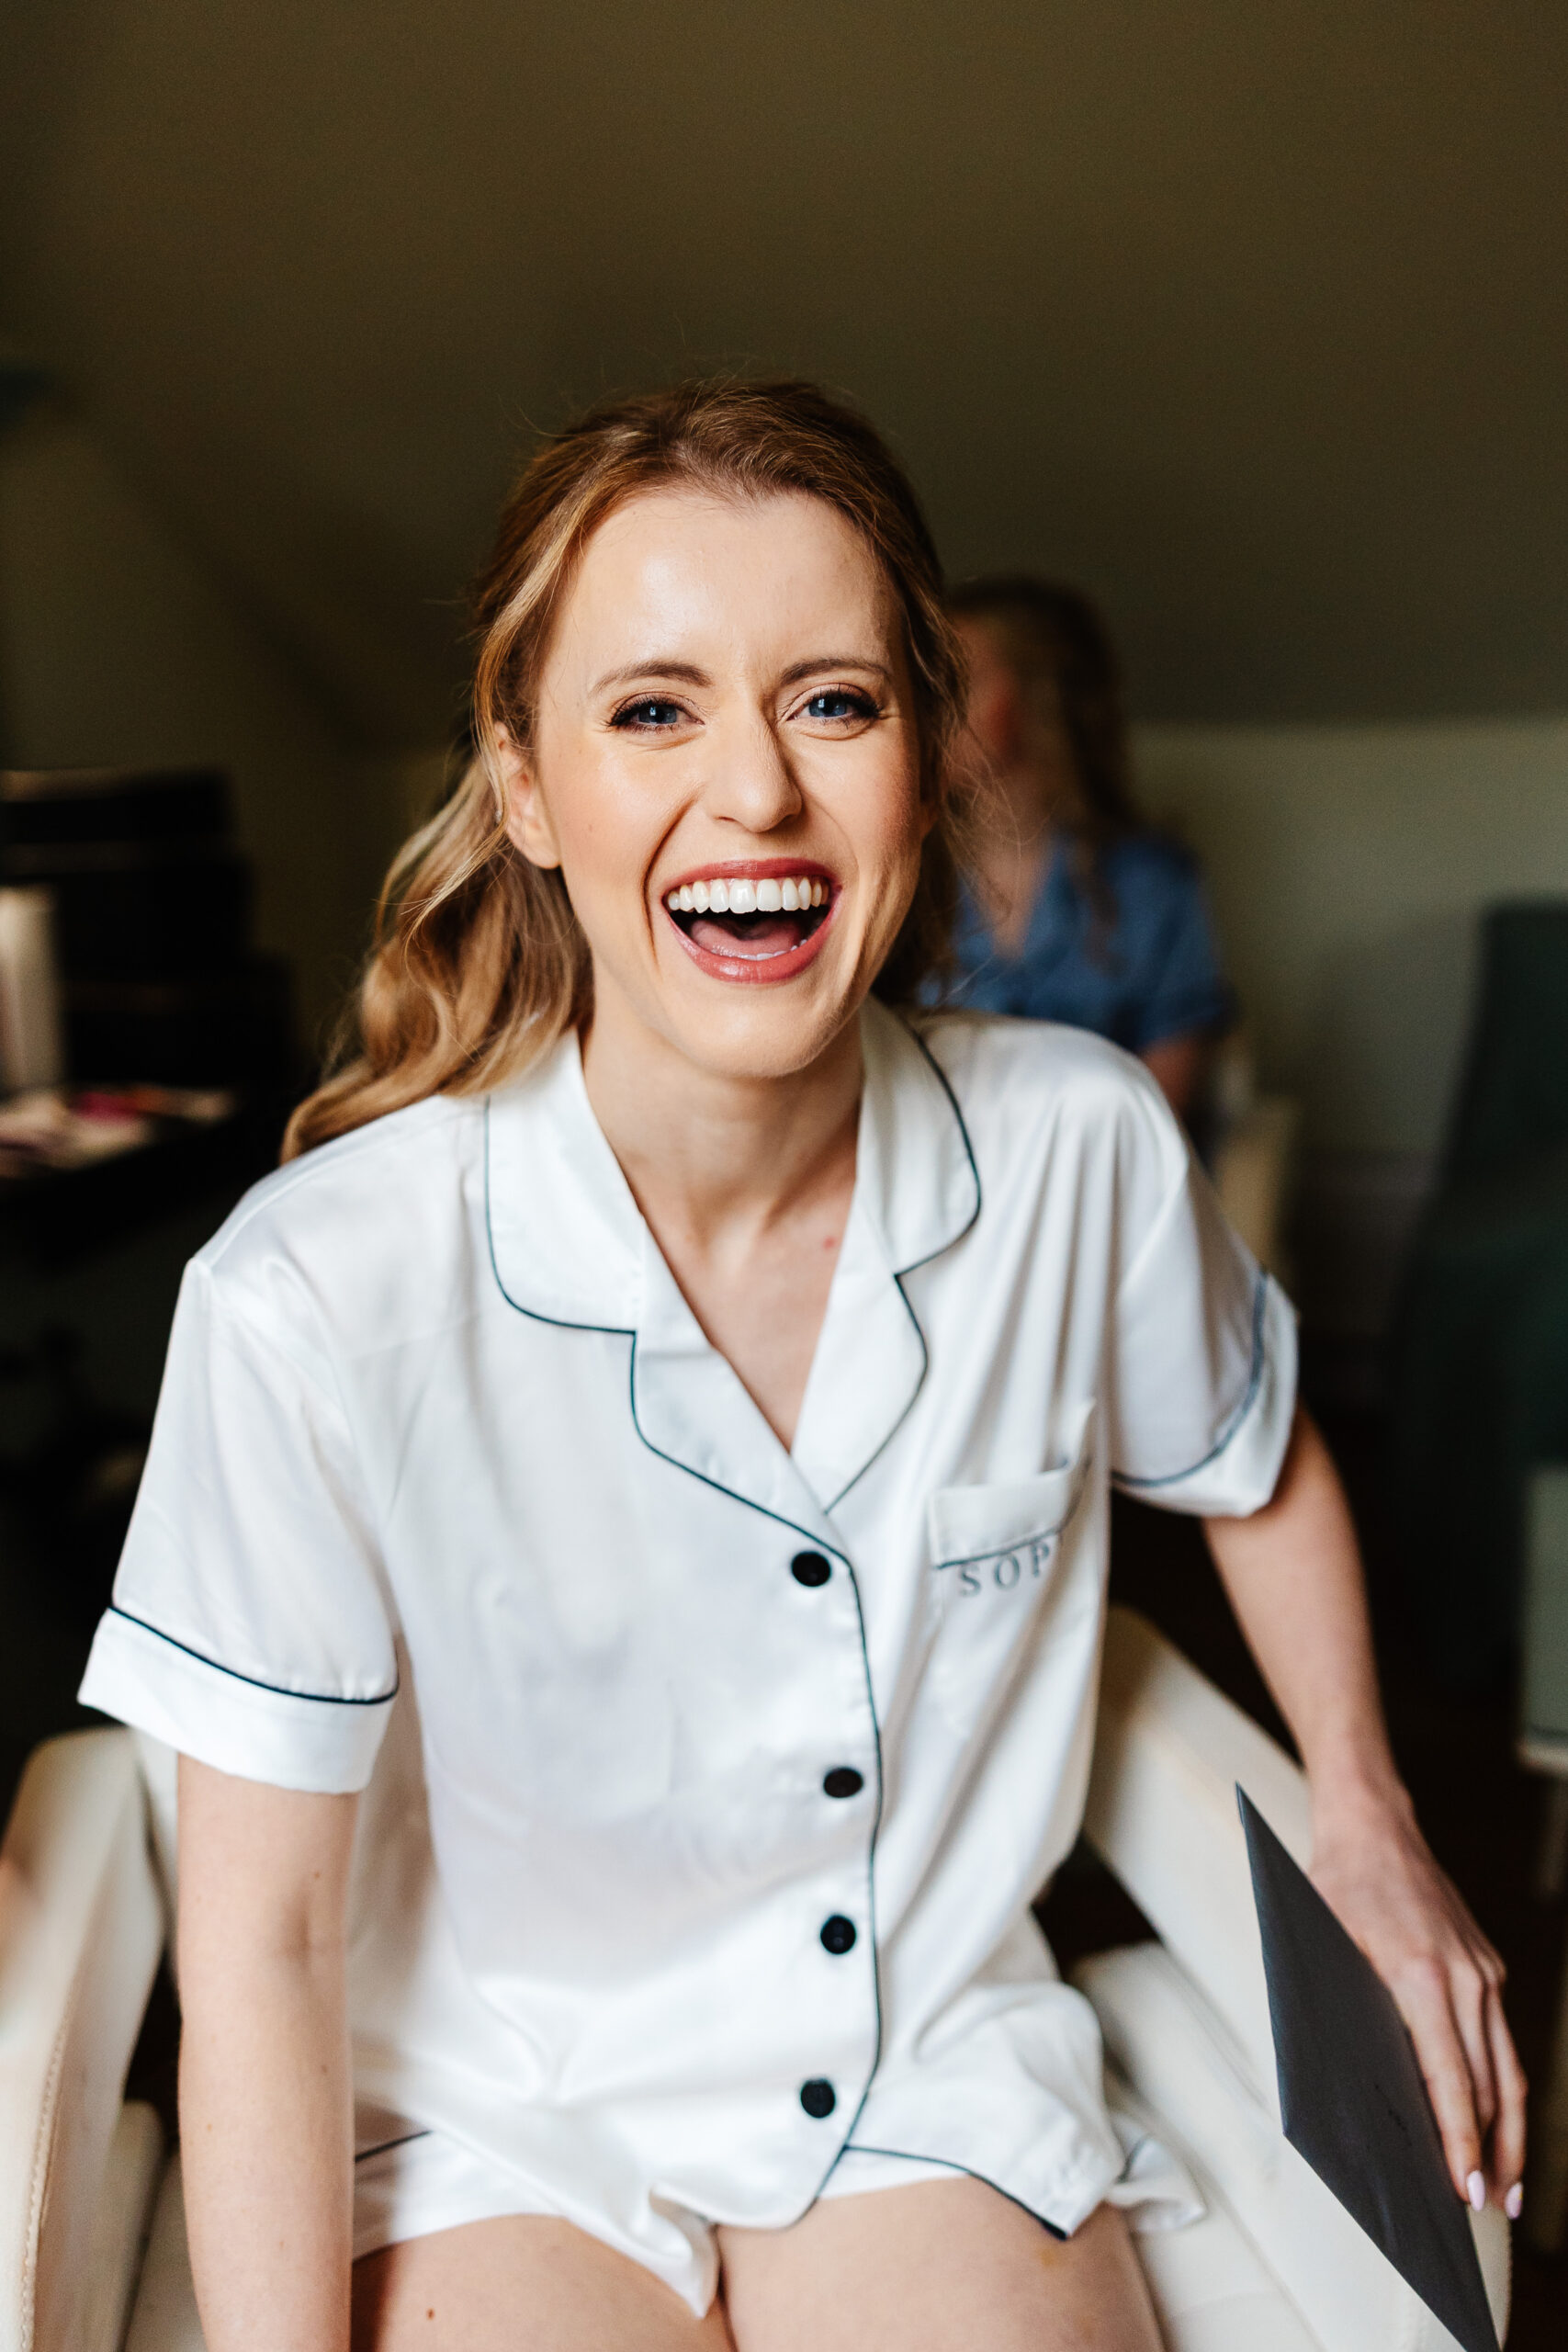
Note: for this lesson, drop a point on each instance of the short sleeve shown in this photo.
(1201, 1385)
(1184, 990)
(250, 1626)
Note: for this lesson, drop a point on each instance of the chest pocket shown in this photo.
(1001, 1560)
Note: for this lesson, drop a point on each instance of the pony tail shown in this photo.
(477, 968)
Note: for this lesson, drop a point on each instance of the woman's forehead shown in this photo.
(683, 565)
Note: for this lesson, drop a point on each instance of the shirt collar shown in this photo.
(567, 1241)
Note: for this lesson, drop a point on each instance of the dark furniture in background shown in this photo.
(1480, 1361)
(152, 925)
(162, 987)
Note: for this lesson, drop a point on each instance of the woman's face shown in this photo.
(725, 768)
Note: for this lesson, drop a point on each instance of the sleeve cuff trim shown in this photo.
(1255, 1381)
(317, 1698)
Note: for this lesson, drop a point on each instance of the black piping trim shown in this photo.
(812, 1537)
(557, 1322)
(870, 1873)
(1255, 1381)
(941, 1077)
(811, 1534)
(916, 1263)
(1000, 1550)
(904, 2157)
(1038, 1536)
(925, 1366)
(317, 1698)
(382, 2147)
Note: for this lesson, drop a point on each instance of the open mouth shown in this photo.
(765, 922)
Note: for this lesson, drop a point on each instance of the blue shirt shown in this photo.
(1151, 972)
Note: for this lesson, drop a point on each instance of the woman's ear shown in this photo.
(526, 818)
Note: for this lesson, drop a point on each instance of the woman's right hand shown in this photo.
(266, 2095)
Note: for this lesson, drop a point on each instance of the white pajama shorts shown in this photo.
(413, 2185)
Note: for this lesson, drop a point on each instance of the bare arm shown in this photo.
(1294, 1574)
(265, 2105)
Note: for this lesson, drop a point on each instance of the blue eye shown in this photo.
(652, 711)
(840, 701)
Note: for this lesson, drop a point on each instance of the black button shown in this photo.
(843, 1781)
(819, 2099)
(810, 1568)
(838, 1933)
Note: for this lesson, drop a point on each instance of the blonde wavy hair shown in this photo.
(479, 965)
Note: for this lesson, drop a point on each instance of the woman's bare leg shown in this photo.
(524, 2284)
(942, 2266)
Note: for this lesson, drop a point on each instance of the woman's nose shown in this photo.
(750, 780)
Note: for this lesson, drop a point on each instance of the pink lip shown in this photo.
(748, 969)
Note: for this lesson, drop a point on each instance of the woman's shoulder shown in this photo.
(1008, 1075)
(372, 1217)
(1049, 1111)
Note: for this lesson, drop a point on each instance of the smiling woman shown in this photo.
(623, 1551)
(482, 961)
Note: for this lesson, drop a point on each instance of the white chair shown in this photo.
(92, 2232)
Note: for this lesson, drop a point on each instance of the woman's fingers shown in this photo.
(1508, 2132)
(1468, 1996)
(1423, 1994)
(1414, 1927)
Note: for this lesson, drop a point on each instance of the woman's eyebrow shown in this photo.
(798, 669)
(687, 672)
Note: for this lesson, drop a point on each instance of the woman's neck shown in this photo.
(746, 1185)
(722, 1147)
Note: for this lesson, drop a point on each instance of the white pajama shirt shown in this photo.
(707, 1782)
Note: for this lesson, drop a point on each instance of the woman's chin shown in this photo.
(736, 1029)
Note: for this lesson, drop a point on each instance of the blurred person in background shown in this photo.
(1073, 908)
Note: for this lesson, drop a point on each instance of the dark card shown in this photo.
(1351, 2095)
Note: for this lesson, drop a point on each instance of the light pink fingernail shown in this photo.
(1514, 2203)
(1476, 2189)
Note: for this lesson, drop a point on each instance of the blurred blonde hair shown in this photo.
(479, 965)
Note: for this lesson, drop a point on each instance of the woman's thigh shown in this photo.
(524, 2284)
(942, 2266)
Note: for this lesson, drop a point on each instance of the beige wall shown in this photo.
(1348, 866)
(118, 644)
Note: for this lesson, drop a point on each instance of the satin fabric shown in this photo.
(449, 1500)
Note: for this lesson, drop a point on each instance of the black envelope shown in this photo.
(1351, 2095)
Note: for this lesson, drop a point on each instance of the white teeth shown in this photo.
(738, 897)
